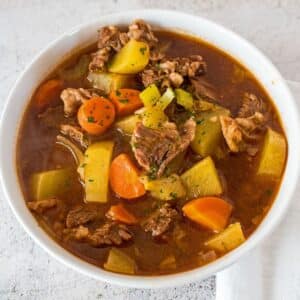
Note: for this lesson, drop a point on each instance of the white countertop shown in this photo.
(26, 271)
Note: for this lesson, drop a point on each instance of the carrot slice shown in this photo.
(96, 115)
(48, 93)
(120, 213)
(210, 212)
(124, 178)
(126, 101)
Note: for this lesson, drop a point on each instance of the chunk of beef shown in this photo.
(155, 148)
(80, 215)
(142, 31)
(250, 105)
(242, 134)
(173, 71)
(41, 206)
(73, 98)
(52, 117)
(201, 88)
(75, 133)
(161, 220)
(111, 40)
(109, 234)
(111, 37)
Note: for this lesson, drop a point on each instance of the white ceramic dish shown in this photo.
(215, 34)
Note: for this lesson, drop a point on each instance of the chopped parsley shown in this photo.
(143, 50)
(83, 165)
(153, 172)
(200, 121)
(91, 119)
(91, 180)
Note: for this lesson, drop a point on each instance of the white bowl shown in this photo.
(215, 34)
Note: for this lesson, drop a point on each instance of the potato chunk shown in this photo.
(273, 155)
(208, 131)
(228, 239)
(50, 183)
(131, 59)
(168, 188)
(202, 179)
(119, 262)
(96, 171)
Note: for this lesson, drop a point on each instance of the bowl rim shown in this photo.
(136, 281)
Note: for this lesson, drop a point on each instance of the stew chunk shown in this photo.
(155, 148)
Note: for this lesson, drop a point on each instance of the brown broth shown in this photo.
(251, 197)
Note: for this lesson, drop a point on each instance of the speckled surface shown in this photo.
(26, 271)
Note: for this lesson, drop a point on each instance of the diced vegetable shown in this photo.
(228, 239)
(120, 213)
(165, 99)
(168, 263)
(210, 212)
(208, 131)
(52, 183)
(96, 171)
(124, 178)
(96, 115)
(109, 82)
(77, 71)
(184, 99)
(126, 101)
(48, 93)
(150, 95)
(120, 262)
(131, 59)
(153, 117)
(168, 188)
(127, 124)
(202, 179)
(273, 155)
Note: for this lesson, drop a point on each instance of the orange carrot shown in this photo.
(126, 101)
(210, 212)
(48, 93)
(124, 178)
(120, 213)
(96, 115)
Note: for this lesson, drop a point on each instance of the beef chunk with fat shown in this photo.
(161, 220)
(80, 215)
(156, 148)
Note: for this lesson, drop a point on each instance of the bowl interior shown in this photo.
(237, 47)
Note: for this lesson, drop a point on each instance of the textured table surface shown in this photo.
(26, 271)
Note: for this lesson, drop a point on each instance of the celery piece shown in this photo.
(165, 99)
(119, 262)
(131, 59)
(51, 183)
(273, 155)
(96, 171)
(184, 99)
(228, 239)
(202, 179)
(150, 95)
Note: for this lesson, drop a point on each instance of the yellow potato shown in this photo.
(131, 59)
(228, 239)
(96, 171)
(202, 179)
